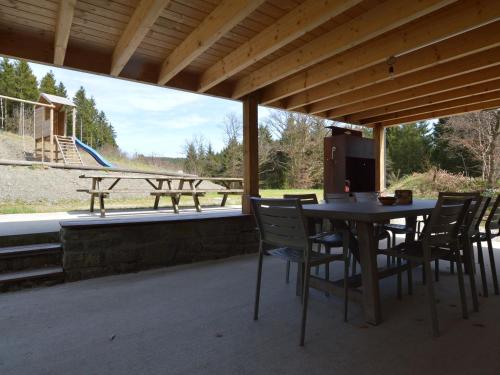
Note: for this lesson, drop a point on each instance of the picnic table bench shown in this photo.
(162, 186)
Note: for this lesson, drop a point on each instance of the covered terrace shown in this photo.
(374, 63)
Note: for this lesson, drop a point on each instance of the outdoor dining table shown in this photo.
(364, 215)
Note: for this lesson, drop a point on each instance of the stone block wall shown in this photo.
(92, 250)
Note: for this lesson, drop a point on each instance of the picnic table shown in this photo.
(161, 186)
(365, 215)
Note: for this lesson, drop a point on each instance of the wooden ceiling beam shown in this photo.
(63, 28)
(143, 18)
(435, 73)
(449, 49)
(493, 95)
(461, 92)
(463, 15)
(223, 18)
(492, 104)
(484, 75)
(370, 24)
(291, 26)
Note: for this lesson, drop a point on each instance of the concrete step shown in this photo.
(30, 250)
(10, 281)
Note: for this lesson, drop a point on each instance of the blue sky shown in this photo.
(150, 119)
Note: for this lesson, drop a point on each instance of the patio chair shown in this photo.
(283, 226)
(440, 238)
(492, 223)
(475, 236)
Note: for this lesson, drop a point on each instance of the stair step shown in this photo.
(29, 250)
(48, 273)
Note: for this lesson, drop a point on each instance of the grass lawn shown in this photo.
(211, 199)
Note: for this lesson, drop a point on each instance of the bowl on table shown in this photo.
(387, 201)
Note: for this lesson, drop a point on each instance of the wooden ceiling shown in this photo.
(359, 61)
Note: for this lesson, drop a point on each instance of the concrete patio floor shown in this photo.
(197, 319)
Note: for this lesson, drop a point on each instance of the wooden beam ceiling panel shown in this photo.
(143, 18)
(484, 75)
(289, 27)
(493, 95)
(463, 15)
(449, 49)
(374, 22)
(65, 15)
(492, 104)
(222, 19)
(439, 72)
(461, 92)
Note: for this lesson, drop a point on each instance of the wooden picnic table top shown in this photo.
(159, 178)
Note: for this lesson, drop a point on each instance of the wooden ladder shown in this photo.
(68, 150)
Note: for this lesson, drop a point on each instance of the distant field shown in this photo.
(211, 199)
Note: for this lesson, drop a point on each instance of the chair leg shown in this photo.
(492, 264)
(346, 282)
(469, 259)
(287, 277)
(305, 300)
(327, 265)
(388, 245)
(461, 286)
(424, 276)
(436, 269)
(410, 278)
(354, 261)
(480, 259)
(431, 299)
(300, 274)
(257, 291)
(452, 267)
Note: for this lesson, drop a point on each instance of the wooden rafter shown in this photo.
(492, 104)
(463, 15)
(435, 107)
(63, 27)
(461, 92)
(484, 75)
(374, 22)
(449, 49)
(291, 26)
(222, 19)
(435, 73)
(139, 25)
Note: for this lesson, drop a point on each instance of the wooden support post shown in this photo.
(74, 122)
(250, 152)
(65, 123)
(379, 138)
(51, 147)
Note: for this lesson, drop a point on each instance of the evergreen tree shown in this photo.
(7, 78)
(400, 140)
(48, 84)
(61, 90)
(26, 85)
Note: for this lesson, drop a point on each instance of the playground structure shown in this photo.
(48, 126)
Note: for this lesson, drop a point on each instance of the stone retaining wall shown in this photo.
(92, 250)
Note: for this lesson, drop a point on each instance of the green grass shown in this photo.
(211, 199)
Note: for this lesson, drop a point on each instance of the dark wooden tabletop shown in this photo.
(369, 211)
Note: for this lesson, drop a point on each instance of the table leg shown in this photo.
(157, 199)
(411, 222)
(369, 272)
(92, 196)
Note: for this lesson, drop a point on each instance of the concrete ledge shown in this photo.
(104, 247)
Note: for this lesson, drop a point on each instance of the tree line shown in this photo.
(17, 80)
(291, 149)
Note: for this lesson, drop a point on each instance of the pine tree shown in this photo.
(61, 90)
(25, 81)
(7, 78)
(48, 84)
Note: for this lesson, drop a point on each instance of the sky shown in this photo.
(150, 119)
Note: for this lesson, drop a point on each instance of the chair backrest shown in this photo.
(446, 220)
(338, 197)
(281, 222)
(493, 220)
(471, 216)
(303, 198)
(366, 196)
(481, 211)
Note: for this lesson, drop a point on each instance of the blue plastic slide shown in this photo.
(98, 157)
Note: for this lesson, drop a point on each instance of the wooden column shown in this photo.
(74, 122)
(379, 138)
(250, 152)
(65, 123)
(51, 146)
